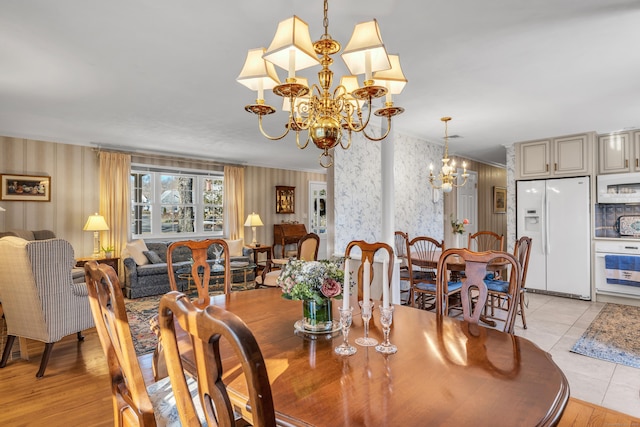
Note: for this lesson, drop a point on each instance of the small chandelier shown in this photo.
(448, 177)
(322, 113)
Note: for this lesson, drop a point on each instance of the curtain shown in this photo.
(234, 202)
(115, 199)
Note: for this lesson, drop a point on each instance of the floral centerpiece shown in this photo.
(458, 226)
(314, 283)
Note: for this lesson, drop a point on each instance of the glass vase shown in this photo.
(317, 317)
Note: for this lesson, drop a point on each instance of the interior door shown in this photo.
(467, 202)
(318, 214)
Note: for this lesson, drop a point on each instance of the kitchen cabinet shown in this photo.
(617, 154)
(555, 157)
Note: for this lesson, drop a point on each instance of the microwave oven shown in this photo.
(619, 188)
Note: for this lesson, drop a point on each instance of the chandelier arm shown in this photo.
(346, 147)
(370, 138)
(362, 125)
(272, 138)
(302, 147)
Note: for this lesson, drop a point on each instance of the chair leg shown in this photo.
(524, 321)
(80, 336)
(45, 359)
(7, 350)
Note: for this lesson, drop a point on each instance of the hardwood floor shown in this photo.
(75, 390)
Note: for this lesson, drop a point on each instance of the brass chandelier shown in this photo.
(324, 114)
(448, 176)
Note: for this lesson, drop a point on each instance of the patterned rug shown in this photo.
(613, 336)
(141, 310)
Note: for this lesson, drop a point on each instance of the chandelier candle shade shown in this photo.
(253, 221)
(324, 113)
(448, 177)
(96, 223)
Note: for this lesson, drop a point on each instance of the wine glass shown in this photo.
(386, 318)
(346, 317)
(366, 341)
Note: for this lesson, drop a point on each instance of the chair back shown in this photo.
(423, 260)
(200, 269)
(204, 329)
(401, 241)
(130, 398)
(369, 251)
(308, 247)
(473, 291)
(522, 251)
(483, 241)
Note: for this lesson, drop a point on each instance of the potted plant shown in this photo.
(108, 251)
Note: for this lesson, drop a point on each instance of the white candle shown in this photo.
(366, 282)
(345, 287)
(385, 284)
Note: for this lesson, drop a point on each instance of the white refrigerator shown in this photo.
(556, 214)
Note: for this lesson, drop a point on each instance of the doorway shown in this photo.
(467, 203)
(318, 214)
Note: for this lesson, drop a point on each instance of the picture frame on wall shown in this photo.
(285, 199)
(25, 188)
(499, 200)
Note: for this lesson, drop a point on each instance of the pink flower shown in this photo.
(465, 221)
(330, 288)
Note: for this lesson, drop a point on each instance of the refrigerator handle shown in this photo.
(545, 235)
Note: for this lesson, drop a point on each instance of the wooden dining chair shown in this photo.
(483, 241)
(474, 293)
(204, 329)
(200, 271)
(307, 250)
(423, 264)
(368, 251)
(133, 402)
(401, 247)
(498, 289)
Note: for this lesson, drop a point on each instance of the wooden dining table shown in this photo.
(446, 372)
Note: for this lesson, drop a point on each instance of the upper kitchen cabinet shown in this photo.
(619, 152)
(555, 157)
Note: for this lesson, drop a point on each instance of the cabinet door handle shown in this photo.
(636, 162)
(626, 163)
(555, 166)
(547, 167)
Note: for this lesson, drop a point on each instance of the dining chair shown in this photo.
(401, 247)
(498, 289)
(368, 252)
(205, 328)
(133, 402)
(200, 271)
(473, 291)
(40, 301)
(483, 241)
(423, 264)
(307, 250)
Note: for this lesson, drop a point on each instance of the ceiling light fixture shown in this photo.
(448, 176)
(323, 113)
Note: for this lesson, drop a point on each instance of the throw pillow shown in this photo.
(153, 257)
(136, 250)
(235, 247)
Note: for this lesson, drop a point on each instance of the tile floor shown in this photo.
(555, 324)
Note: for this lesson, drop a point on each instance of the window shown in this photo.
(171, 203)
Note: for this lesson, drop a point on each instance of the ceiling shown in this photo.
(159, 75)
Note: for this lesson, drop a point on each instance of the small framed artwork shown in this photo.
(499, 200)
(25, 188)
(285, 199)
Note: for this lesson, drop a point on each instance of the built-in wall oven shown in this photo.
(617, 268)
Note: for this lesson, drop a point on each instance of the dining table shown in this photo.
(446, 372)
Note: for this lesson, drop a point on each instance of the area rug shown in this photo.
(614, 335)
(141, 310)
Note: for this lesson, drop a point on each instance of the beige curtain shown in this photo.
(115, 199)
(234, 202)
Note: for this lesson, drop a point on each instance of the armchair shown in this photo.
(39, 299)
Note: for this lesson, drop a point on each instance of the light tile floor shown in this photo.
(555, 324)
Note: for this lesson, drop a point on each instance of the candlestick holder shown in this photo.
(345, 349)
(386, 318)
(366, 308)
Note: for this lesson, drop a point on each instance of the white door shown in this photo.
(318, 214)
(467, 201)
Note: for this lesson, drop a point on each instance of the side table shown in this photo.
(267, 249)
(113, 261)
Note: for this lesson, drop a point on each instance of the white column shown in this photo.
(388, 209)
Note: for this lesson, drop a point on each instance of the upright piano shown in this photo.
(286, 234)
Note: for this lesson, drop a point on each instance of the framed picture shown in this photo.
(499, 200)
(285, 199)
(25, 188)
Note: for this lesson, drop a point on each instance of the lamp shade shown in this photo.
(291, 48)
(365, 52)
(258, 74)
(393, 79)
(95, 223)
(253, 220)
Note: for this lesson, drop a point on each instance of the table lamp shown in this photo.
(96, 223)
(253, 221)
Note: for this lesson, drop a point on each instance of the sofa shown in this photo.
(145, 266)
